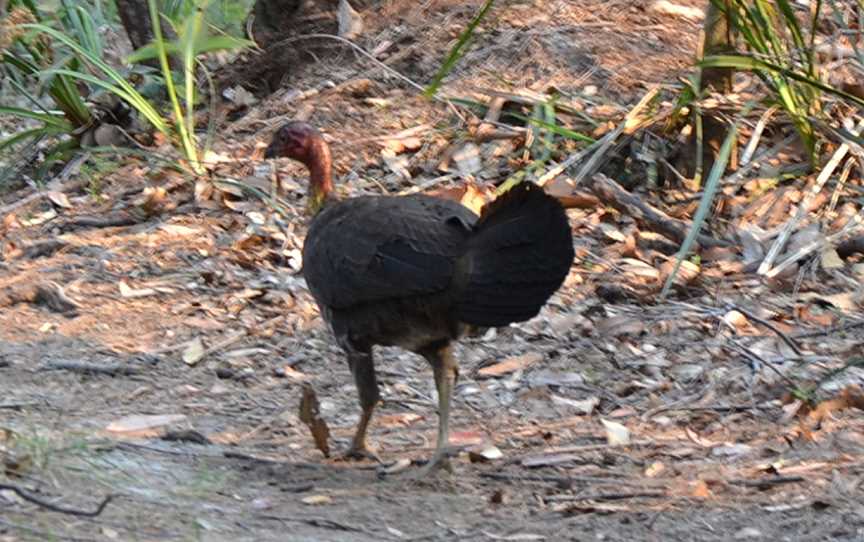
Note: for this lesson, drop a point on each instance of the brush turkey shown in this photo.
(418, 271)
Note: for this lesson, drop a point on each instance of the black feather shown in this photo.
(519, 254)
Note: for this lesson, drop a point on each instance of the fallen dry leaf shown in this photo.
(700, 490)
(510, 365)
(665, 7)
(616, 434)
(397, 467)
(832, 260)
(850, 397)
(735, 319)
(59, 199)
(484, 453)
(621, 325)
(403, 419)
(654, 469)
(143, 425)
(194, 352)
(310, 414)
(696, 439)
(585, 406)
(317, 500)
(130, 293)
(466, 438)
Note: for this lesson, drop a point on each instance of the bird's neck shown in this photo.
(320, 179)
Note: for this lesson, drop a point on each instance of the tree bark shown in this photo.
(717, 39)
(270, 20)
(135, 16)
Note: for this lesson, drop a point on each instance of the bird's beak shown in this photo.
(270, 152)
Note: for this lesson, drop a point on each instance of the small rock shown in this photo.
(748, 532)
(687, 372)
(317, 500)
(616, 434)
(732, 450)
(735, 319)
(585, 406)
(677, 10)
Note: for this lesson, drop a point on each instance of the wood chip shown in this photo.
(144, 425)
(511, 365)
(310, 414)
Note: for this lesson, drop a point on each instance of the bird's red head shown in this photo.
(303, 142)
(296, 139)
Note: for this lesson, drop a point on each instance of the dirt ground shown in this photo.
(198, 314)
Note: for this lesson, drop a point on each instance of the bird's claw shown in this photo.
(359, 454)
(437, 464)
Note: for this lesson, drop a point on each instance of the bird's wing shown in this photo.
(368, 249)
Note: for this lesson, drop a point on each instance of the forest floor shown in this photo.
(160, 355)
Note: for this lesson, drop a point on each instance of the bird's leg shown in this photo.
(446, 372)
(363, 369)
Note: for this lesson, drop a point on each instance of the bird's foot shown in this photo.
(359, 453)
(438, 464)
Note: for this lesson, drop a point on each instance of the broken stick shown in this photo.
(647, 216)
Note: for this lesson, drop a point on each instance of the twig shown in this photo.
(48, 294)
(838, 329)
(316, 522)
(29, 497)
(553, 172)
(709, 408)
(826, 172)
(40, 534)
(233, 338)
(645, 214)
(769, 325)
(110, 369)
(427, 184)
(561, 480)
(765, 483)
(567, 454)
(16, 406)
(747, 155)
(856, 220)
(628, 125)
(753, 356)
(404, 134)
(118, 219)
(606, 496)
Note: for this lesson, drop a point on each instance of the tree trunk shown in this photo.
(270, 20)
(717, 39)
(135, 16)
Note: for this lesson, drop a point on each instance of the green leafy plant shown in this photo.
(711, 186)
(781, 54)
(192, 40)
(457, 51)
(24, 60)
(79, 49)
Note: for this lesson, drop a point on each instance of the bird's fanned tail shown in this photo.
(519, 255)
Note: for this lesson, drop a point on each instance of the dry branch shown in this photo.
(29, 497)
(607, 496)
(109, 369)
(118, 219)
(765, 268)
(647, 216)
(766, 483)
(49, 294)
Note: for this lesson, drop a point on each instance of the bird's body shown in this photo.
(396, 265)
(418, 271)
